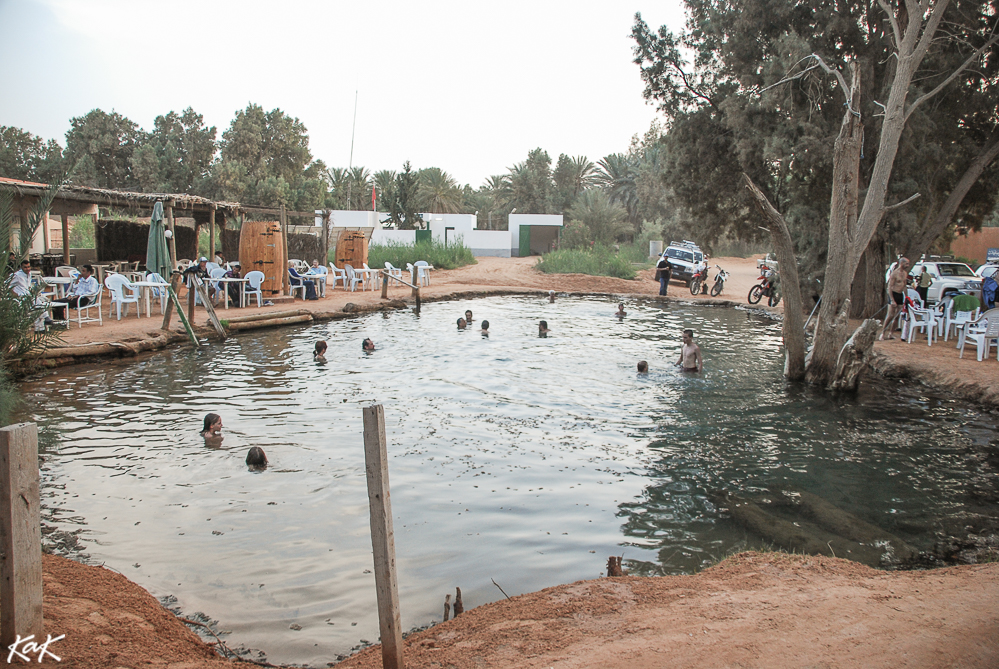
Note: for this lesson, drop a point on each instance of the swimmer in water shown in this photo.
(485, 328)
(461, 323)
(256, 458)
(319, 355)
(368, 345)
(212, 431)
(643, 367)
(621, 313)
(543, 329)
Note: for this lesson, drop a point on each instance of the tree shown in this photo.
(571, 177)
(439, 193)
(404, 208)
(782, 138)
(383, 182)
(531, 185)
(100, 146)
(617, 174)
(605, 220)
(176, 157)
(28, 157)
(264, 158)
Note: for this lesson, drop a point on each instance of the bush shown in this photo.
(452, 256)
(81, 236)
(600, 261)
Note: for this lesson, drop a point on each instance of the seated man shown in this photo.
(298, 280)
(20, 285)
(201, 271)
(82, 293)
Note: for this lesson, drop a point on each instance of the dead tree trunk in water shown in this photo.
(793, 329)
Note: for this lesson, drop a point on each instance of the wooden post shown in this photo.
(385, 281)
(326, 238)
(382, 537)
(65, 239)
(191, 292)
(20, 535)
(168, 206)
(175, 280)
(211, 234)
(285, 282)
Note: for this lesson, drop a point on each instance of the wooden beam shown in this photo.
(65, 239)
(168, 208)
(286, 281)
(20, 535)
(211, 234)
(382, 536)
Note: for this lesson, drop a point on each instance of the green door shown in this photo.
(424, 236)
(525, 241)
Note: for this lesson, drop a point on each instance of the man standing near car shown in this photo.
(664, 272)
(925, 279)
(897, 282)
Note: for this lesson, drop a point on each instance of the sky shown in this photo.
(465, 86)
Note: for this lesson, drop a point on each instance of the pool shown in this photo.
(513, 458)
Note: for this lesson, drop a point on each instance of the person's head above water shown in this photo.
(468, 315)
(688, 336)
(643, 366)
(543, 326)
(551, 295)
(213, 424)
(256, 457)
(461, 323)
(485, 326)
(320, 349)
(368, 345)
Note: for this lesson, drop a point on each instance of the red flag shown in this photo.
(373, 199)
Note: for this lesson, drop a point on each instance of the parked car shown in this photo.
(683, 257)
(949, 278)
(988, 269)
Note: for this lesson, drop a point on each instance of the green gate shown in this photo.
(525, 241)
(424, 236)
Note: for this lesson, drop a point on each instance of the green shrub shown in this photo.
(81, 236)
(452, 256)
(599, 261)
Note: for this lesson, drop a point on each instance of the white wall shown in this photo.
(383, 236)
(341, 218)
(489, 243)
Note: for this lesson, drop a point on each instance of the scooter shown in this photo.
(720, 280)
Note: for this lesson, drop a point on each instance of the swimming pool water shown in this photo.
(521, 459)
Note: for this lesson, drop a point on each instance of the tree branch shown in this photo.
(892, 207)
(936, 16)
(953, 75)
(791, 78)
(894, 23)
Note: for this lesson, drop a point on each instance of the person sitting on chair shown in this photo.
(298, 280)
(83, 291)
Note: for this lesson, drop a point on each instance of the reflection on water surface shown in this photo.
(521, 459)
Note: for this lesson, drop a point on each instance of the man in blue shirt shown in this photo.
(297, 280)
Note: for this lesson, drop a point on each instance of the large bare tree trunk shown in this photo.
(867, 295)
(793, 329)
(844, 254)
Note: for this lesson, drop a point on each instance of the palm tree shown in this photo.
(384, 183)
(604, 218)
(616, 175)
(359, 188)
(439, 192)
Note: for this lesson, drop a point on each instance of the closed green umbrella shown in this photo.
(157, 255)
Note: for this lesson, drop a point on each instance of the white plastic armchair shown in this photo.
(213, 275)
(122, 293)
(983, 333)
(296, 283)
(83, 313)
(160, 294)
(922, 319)
(352, 278)
(337, 274)
(254, 280)
(67, 271)
(423, 268)
(319, 274)
(393, 270)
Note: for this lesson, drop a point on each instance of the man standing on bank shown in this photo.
(690, 354)
(897, 282)
(664, 272)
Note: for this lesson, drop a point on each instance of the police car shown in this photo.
(683, 257)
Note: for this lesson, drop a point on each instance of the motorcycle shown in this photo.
(768, 287)
(699, 279)
(720, 279)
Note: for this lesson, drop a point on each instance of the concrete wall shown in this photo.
(975, 245)
(385, 237)
(517, 220)
(489, 243)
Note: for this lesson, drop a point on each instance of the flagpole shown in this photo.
(352, 129)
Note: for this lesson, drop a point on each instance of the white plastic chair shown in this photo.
(318, 275)
(393, 270)
(159, 293)
(253, 281)
(957, 319)
(117, 285)
(83, 313)
(300, 265)
(423, 268)
(216, 273)
(67, 271)
(212, 266)
(352, 278)
(923, 319)
(184, 263)
(370, 277)
(296, 286)
(982, 335)
(336, 274)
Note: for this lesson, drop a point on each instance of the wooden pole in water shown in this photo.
(20, 535)
(382, 537)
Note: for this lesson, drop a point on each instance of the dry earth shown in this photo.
(753, 610)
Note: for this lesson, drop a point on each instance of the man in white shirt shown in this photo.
(83, 290)
(20, 281)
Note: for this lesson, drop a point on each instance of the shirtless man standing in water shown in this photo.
(896, 286)
(690, 354)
